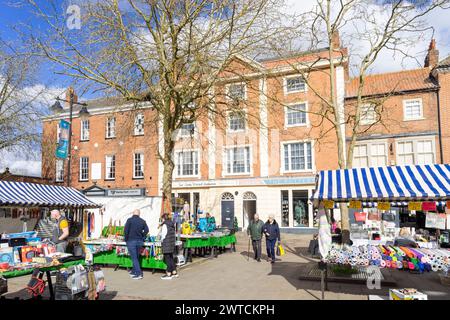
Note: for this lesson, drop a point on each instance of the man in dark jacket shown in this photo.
(136, 230)
(168, 238)
(254, 232)
(272, 232)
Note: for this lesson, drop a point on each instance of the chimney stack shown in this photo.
(75, 97)
(335, 40)
(432, 58)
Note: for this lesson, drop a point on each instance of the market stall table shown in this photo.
(205, 241)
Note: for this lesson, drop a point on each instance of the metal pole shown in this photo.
(69, 154)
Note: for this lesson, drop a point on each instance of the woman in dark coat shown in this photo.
(168, 238)
(272, 233)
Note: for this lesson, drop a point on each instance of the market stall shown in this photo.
(375, 196)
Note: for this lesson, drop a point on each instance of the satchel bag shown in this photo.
(374, 216)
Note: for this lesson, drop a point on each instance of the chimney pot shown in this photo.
(335, 40)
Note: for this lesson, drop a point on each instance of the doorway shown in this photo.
(249, 208)
(227, 210)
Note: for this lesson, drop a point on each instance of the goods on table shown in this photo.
(417, 259)
(406, 294)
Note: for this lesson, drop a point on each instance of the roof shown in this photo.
(392, 82)
(41, 195)
(391, 183)
(444, 63)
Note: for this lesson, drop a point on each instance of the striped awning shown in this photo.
(41, 195)
(394, 183)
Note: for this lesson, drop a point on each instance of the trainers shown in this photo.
(166, 277)
(175, 275)
(259, 260)
(137, 277)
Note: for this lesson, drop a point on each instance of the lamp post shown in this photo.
(83, 113)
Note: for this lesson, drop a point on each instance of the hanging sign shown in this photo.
(329, 204)
(447, 204)
(435, 220)
(416, 206)
(63, 143)
(384, 206)
(429, 206)
(355, 204)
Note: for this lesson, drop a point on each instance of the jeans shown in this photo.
(270, 244)
(168, 259)
(134, 248)
(257, 248)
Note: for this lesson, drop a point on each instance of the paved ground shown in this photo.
(231, 276)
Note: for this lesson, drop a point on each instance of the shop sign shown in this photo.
(244, 182)
(435, 221)
(415, 206)
(429, 206)
(329, 204)
(125, 192)
(355, 204)
(63, 143)
(384, 206)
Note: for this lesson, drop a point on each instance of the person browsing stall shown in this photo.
(272, 233)
(254, 231)
(60, 232)
(168, 246)
(135, 231)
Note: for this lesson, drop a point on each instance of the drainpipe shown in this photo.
(439, 126)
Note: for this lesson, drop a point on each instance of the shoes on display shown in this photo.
(166, 277)
(137, 277)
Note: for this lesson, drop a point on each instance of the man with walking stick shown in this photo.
(254, 232)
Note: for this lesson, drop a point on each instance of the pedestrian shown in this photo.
(254, 231)
(136, 230)
(60, 231)
(168, 246)
(272, 233)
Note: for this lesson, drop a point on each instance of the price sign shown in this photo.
(355, 204)
(384, 206)
(429, 206)
(329, 204)
(416, 206)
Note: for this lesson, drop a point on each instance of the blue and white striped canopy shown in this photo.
(41, 195)
(394, 183)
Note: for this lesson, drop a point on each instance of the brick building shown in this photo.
(264, 158)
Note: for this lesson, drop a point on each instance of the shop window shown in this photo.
(300, 208)
(284, 208)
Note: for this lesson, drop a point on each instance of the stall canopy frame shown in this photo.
(26, 194)
(379, 184)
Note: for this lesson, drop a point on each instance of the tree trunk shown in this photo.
(167, 184)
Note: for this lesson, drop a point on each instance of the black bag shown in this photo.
(278, 251)
(389, 217)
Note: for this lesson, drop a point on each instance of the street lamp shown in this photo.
(83, 113)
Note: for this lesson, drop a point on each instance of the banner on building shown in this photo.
(62, 148)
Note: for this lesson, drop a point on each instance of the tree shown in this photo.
(380, 26)
(168, 53)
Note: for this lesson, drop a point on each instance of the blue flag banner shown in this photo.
(63, 143)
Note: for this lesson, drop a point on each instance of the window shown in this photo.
(84, 169)
(297, 156)
(295, 84)
(236, 121)
(420, 151)
(238, 160)
(368, 115)
(138, 165)
(296, 115)
(110, 167)
(412, 109)
(187, 163)
(370, 154)
(237, 91)
(111, 127)
(139, 125)
(59, 170)
(187, 129)
(284, 208)
(300, 208)
(84, 130)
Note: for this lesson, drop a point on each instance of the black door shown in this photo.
(228, 213)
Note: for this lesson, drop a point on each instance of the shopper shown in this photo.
(168, 246)
(254, 231)
(272, 233)
(60, 232)
(136, 230)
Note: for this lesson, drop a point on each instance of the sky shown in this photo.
(11, 16)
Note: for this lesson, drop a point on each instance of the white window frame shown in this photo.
(282, 162)
(108, 166)
(405, 101)
(285, 89)
(227, 90)
(177, 152)
(365, 121)
(229, 112)
(142, 165)
(107, 133)
(85, 130)
(287, 106)
(368, 144)
(137, 133)
(225, 160)
(415, 140)
(193, 135)
(59, 171)
(81, 169)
